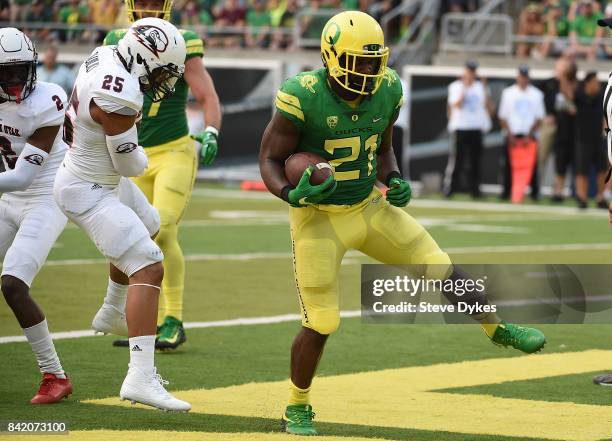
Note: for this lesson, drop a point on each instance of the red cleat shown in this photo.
(52, 389)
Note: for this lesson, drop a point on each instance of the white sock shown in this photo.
(116, 295)
(142, 350)
(42, 345)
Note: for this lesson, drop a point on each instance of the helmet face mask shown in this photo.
(353, 52)
(18, 59)
(17, 81)
(138, 9)
(160, 82)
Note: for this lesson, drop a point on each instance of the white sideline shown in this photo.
(283, 255)
(247, 321)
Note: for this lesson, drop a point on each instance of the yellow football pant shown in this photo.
(322, 234)
(167, 184)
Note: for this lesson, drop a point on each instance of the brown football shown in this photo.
(298, 162)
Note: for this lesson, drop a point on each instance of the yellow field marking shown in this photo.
(155, 435)
(407, 398)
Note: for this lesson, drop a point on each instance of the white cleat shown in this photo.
(149, 390)
(110, 320)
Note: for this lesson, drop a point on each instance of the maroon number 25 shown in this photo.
(108, 80)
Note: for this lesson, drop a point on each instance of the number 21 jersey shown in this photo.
(102, 79)
(346, 136)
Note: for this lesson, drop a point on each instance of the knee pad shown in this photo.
(21, 264)
(143, 253)
(324, 322)
(315, 262)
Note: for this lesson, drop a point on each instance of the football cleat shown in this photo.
(171, 334)
(110, 320)
(297, 420)
(52, 389)
(528, 340)
(149, 390)
(603, 380)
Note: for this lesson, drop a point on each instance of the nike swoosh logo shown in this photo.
(375, 120)
(303, 201)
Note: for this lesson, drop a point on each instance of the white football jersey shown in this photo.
(101, 77)
(43, 108)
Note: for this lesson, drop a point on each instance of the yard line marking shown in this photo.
(425, 203)
(242, 321)
(286, 255)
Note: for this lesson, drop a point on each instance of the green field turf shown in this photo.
(237, 246)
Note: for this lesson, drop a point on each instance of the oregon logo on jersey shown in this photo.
(308, 81)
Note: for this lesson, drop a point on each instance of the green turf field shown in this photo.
(411, 382)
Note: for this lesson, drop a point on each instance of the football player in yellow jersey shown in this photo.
(169, 178)
(345, 112)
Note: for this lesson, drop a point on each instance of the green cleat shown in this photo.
(528, 340)
(297, 420)
(171, 334)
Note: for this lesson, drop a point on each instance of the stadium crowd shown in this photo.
(549, 28)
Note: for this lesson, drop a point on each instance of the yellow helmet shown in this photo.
(348, 39)
(132, 10)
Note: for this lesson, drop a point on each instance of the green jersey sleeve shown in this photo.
(193, 43)
(114, 36)
(394, 90)
(290, 102)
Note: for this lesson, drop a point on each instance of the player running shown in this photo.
(31, 114)
(168, 181)
(91, 188)
(345, 112)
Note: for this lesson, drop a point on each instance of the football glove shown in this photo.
(399, 192)
(307, 194)
(208, 139)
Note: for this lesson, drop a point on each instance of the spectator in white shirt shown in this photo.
(521, 111)
(51, 72)
(468, 112)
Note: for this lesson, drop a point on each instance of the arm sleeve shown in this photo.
(194, 44)
(129, 159)
(28, 164)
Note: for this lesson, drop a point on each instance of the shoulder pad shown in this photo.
(117, 85)
(46, 106)
(114, 36)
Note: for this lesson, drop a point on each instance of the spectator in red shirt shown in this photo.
(231, 15)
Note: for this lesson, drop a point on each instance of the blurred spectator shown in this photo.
(557, 26)
(590, 145)
(190, 13)
(73, 14)
(521, 111)
(52, 72)
(103, 13)
(258, 22)
(548, 128)
(20, 9)
(468, 105)
(531, 24)
(276, 8)
(565, 137)
(583, 30)
(40, 12)
(281, 40)
(231, 14)
(602, 33)
(5, 10)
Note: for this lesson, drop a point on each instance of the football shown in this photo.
(298, 162)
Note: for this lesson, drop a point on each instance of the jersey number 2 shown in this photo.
(354, 143)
